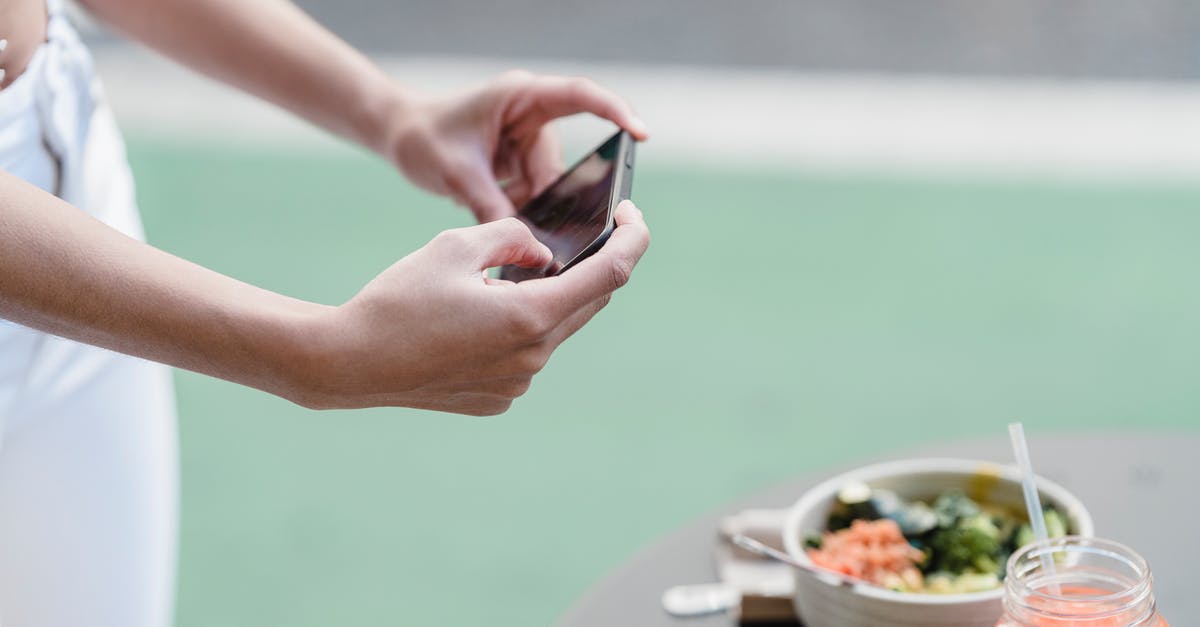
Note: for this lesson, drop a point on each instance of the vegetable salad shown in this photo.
(949, 544)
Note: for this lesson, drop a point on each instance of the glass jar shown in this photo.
(1094, 583)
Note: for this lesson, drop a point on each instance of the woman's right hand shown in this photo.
(433, 332)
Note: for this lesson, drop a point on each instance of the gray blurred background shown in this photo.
(1137, 39)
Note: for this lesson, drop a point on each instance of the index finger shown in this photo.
(602, 273)
(551, 97)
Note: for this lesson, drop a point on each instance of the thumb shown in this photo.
(502, 242)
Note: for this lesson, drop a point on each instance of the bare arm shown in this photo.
(457, 146)
(65, 272)
(429, 332)
(271, 49)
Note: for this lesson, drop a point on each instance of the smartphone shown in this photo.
(573, 217)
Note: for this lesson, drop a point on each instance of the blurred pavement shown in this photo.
(743, 118)
(1143, 39)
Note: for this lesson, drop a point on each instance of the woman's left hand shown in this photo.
(464, 147)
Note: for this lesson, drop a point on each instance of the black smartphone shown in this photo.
(573, 217)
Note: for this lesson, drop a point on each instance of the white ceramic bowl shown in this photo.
(821, 604)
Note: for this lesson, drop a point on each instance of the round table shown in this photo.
(1139, 488)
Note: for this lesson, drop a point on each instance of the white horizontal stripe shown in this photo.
(757, 118)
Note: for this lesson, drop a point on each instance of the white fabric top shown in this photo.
(57, 133)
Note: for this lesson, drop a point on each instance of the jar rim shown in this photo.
(1136, 588)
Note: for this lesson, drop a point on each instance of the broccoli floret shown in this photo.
(986, 564)
(984, 524)
(964, 548)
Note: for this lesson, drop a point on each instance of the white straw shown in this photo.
(1032, 503)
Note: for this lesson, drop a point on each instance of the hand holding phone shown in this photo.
(573, 217)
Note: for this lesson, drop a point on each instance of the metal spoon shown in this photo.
(758, 548)
(713, 598)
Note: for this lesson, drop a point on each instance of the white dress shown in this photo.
(88, 451)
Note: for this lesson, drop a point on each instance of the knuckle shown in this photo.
(579, 86)
(529, 324)
(457, 169)
(511, 226)
(516, 75)
(620, 271)
(453, 238)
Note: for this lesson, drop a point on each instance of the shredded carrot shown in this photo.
(874, 551)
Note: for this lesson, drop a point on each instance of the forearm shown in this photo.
(429, 332)
(63, 272)
(272, 49)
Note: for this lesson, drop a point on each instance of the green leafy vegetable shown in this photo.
(964, 548)
(966, 544)
(1056, 527)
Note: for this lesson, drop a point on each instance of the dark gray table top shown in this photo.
(1139, 487)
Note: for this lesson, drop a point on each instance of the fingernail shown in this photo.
(2, 73)
(640, 125)
(3, 44)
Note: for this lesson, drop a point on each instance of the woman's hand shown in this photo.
(464, 146)
(458, 147)
(433, 332)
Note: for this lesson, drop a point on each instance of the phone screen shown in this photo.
(573, 213)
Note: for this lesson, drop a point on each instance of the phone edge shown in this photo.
(622, 187)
